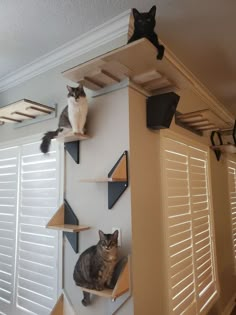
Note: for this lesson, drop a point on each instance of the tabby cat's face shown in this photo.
(108, 241)
(144, 22)
(76, 92)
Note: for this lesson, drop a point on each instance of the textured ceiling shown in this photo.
(200, 33)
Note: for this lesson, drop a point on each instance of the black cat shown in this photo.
(144, 24)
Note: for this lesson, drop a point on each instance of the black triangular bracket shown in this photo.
(117, 187)
(217, 152)
(73, 149)
(70, 218)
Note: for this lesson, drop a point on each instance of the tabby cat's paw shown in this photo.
(85, 302)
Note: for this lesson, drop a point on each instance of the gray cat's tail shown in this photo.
(47, 138)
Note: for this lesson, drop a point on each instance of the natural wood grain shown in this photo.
(225, 148)
(57, 223)
(69, 227)
(120, 170)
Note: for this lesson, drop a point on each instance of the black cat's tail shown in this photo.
(47, 138)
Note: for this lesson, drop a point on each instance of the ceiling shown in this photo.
(200, 33)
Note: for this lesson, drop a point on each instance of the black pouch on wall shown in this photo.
(161, 109)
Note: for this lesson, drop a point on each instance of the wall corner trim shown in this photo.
(101, 35)
(229, 307)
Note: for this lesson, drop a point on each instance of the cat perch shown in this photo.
(117, 180)
(72, 143)
(65, 220)
(23, 110)
(137, 62)
(63, 306)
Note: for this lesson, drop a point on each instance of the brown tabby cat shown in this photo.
(95, 266)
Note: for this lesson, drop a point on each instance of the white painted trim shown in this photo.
(229, 307)
(101, 35)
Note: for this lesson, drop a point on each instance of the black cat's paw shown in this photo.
(85, 302)
(161, 50)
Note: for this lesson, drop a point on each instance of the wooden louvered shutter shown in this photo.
(8, 204)
(232, 199)
(191, 260)
(29, 271)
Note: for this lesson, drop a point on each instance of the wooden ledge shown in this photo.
(63, 306)
(71, 137)
(57, 223)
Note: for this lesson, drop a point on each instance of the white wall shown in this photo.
(109, 130)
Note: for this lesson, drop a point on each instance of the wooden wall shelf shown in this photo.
(71, 137)
(225, 148)
(63, 306)
(66, 221)
(137, 62)
(117, 180)
(23, 110)
(201, 120)
(122, 285)
(57, 222)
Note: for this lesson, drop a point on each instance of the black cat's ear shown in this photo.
(135, 13)
(152, 11)
(101, 235)
(69, 88)
(115, 235)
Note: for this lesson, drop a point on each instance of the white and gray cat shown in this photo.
(72, 117)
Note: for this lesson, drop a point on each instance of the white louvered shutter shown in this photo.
(36, 249)
(232, 199)
(8, 205)
(192, 278)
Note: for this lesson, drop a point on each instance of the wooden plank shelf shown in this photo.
(23, 110)
(117, 180)
(103, 180)
(71, 137)
(69, 227)
(136, 61)
(201, 120)
(63, 306)
(57, 222)
(225, 148)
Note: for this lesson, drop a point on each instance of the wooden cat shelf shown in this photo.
(201, 120)
(71, 137)
(137, 62)
(63, 306)
(23, 110)
(65, 220)
(122, 284)
(72, 143)
(117, 180)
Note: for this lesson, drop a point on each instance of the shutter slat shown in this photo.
(189, 224)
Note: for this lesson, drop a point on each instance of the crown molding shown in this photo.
(101, 35)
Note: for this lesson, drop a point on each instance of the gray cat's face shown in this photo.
(76, 92)
(108, 241)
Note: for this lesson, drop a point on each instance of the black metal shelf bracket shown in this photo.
(217, 152)
(73, 149)
(70, 218)
(117, 187)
